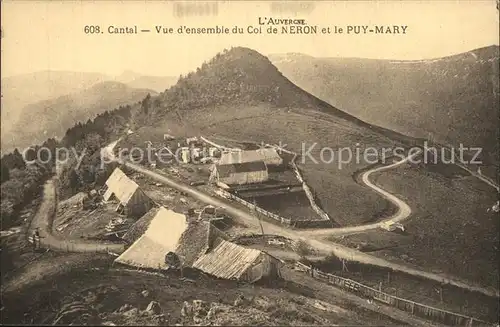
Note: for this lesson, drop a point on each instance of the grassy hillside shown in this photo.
(239, 94)
(55, 116)
(450, 230)
(452, 100)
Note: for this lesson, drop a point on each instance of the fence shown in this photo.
(307, 190)
(417, 309)
(285, 221)
(266, 213)
(325, 220)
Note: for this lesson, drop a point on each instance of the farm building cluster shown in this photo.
(228, 166)
(253, 174)
(189, 150)
(164, 239)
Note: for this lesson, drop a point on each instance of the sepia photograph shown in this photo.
(250, 163)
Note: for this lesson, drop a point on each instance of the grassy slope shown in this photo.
(449, 230)
(446, 98)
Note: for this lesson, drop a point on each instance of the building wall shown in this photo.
(246, 178)
(264, 267)
(185, 155)
(138, 204)
(273, 161)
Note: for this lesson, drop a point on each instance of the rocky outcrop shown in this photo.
(154, 308)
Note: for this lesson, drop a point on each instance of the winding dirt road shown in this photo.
(403, 212)
(43, 221)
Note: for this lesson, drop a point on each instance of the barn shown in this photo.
(163, 229)
(240, 173)
(170, 241)
(132, 200)
(228, 260)
(269, 155)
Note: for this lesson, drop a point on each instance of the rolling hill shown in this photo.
(450, 100)
(55, 116)
(21, 90)
(241, 95)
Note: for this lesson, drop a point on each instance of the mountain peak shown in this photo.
(236, 76)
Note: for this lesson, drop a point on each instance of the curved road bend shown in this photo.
(326, 247)
(44, 218)
(403, 212)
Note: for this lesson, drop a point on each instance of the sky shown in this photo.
(49, 35)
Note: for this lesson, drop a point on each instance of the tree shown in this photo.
(4, 172)
(74, 181)
(14, 160)
(146, 104)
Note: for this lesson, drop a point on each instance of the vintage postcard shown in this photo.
(250, 163)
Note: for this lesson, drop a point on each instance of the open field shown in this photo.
(450, 229)
(345, 201)
(415, 289)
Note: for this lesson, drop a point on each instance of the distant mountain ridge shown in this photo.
(21, 90)
(156, 83)
(60, 93)
(55, 116)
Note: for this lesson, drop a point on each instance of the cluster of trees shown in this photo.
(24, 172)
(86, 141)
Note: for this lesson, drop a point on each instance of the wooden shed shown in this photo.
(231, 261)
(243, 173)
(132, 200)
